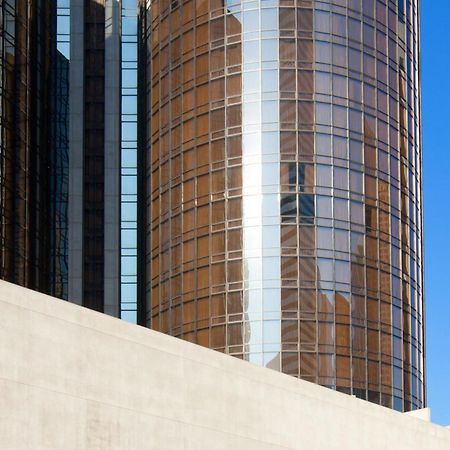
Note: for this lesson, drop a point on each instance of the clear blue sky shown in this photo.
(436, 151)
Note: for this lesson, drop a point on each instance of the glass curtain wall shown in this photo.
(368, 191)
(129, 162)
(60, 153)
(26, 50)
(283, 168)
(93, 154)
(261, 182)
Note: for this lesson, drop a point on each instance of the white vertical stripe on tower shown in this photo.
(261, 183)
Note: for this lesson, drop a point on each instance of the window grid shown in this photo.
(350, 187)
(129, 163)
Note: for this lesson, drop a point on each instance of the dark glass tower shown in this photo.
(281, 167)
(94, 155)
(26, 184)
(59, 177)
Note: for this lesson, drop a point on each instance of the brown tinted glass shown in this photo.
(301, 123)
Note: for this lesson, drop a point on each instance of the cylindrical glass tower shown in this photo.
(282, 171)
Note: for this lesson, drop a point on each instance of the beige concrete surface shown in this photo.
(74, 379)
(424, 414)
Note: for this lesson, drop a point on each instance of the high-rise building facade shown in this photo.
(128, 266)
(69, 150)
(59, 163)
(32, 148)
(94, 155)
(281, 167)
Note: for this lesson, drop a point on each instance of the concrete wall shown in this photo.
(75, 379)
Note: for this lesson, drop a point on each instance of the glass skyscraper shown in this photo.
(68, 156)
(103, 156)
(129, 67)
(94, 155)
(280, 162)
(32, 147)
(59, 142)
